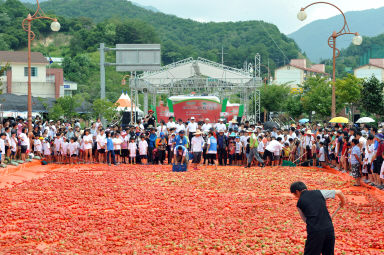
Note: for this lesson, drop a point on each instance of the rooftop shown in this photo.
(21, 57)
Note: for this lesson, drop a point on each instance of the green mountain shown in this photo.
(312, 38)
(181, 38)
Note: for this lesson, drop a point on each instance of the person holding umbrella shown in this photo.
(313, 210)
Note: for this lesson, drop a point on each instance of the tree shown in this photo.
(68, 105)
(273, 97)
(78, 68)
(372, 96)
(317, 96)
(348, 90)
(56, 112)
(294, 106)
(104, 108)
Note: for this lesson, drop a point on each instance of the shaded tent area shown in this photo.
(12, 105)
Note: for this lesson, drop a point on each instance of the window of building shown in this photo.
(68, 93)
(33, 71)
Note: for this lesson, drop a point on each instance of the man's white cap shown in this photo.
(221, 131)
(192, 118)
(206, 119)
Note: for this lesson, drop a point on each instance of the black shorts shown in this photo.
(124, 152)
(239, 156)
(369, 170)
(74, 156)
(24, 148)
(6, 148)
(211, 156)
(143, 156)
(101, 151)
(377, 165)
(268, 154)
(276, 157)
(320, 242)
(117, 152)
(196, 158)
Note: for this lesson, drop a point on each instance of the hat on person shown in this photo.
(181, 132)
(221, 131)
(150, 111)
(206, 119)
(221, 119)
(198, 132)
(192, 118)
(309, 132)
(41, 138)
(232, 134)
(249, 130)
(380, 136)
(234, 121)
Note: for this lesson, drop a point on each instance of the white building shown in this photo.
(46, 82)
(375, 67)
(296, 72)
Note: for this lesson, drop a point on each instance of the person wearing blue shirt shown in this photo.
(181, 139)
(151, 145)
(180, 155)
(212, 149)
(356, 162)
(110, 148)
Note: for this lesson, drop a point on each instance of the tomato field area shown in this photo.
(95, 209)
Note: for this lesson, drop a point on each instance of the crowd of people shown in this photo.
(358, 150)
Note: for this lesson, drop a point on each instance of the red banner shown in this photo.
(232, 112)
(200, 109)
(162, 113)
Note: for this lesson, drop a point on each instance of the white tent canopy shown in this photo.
(124, 103)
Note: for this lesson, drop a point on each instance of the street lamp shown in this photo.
(357, 40)
(55, 26)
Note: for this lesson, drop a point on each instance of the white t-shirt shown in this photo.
(132, 149)
(2, 146)
(161, 129)
(88, 139)
(24, 139)
(73, 147)
(220, 126)
(321, 154)
(101, 140)
(275, 147)
(260, 147)
(37, 144)
(64, 148)
(171, 125)
(13, 144)
(192, 127)
(197, 144)
(238, 147)
(117, 143)
(143, 148)
(180, 127)
(206, 127)
(363, 142)
(46, 148)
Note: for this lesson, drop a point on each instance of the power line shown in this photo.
(274, 41)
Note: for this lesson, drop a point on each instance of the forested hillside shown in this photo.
(85, 24)
(181, 38)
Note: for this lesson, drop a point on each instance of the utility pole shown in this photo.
(222, 55)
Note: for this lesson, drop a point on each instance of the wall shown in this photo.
(18, 73)
(290, 75)
(368, 71)
(39, 89)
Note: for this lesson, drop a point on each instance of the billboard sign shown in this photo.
(138, 57)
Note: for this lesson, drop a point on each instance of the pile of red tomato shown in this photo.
(96, 209)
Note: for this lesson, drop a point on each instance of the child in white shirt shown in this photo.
(143, 150)
(37, 146)
(132, 147)
(47, 149)
(73, 148)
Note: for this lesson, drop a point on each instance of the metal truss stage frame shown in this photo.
(202, 77)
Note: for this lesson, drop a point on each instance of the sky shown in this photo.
(282, 13)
